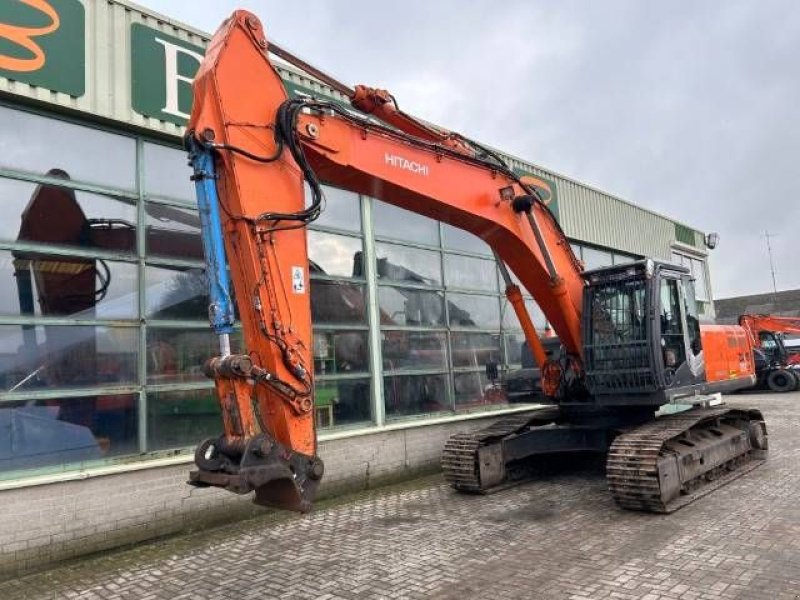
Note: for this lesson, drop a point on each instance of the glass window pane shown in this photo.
(66, 356)
(415, 394)
(692, 319)
(475, 349)
(514, 279)
(167, 172)
(333, 254)
(458, 239)
(539, 320)
(513, 348)
(337, 352)
(594, 259)
(65, 286)
(344, 402)
(49, 214)
(474, 390)
(40, 145)
(576, 250)
(178, 355)
(401, 263)
(699, 272)
(173, 232)
(621, 259)
(46, 433)
(414, 350)
(464, 272)
(182, 418)
(418, 308)
(342, 209)
(396, 223)
(337, 302)
(176, 293)
(510, 320)
(474, 311)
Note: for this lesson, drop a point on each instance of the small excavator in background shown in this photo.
(777, 369)
(630, 337)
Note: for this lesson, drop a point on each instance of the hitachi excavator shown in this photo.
(630, 338)
(777, 369)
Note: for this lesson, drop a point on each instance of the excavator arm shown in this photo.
(776, 324)
(252, 148)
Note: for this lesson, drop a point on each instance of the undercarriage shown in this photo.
(653, 464)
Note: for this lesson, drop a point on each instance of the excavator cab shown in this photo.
(773, 347)
(642, 334)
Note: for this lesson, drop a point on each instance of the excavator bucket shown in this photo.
(279, 477)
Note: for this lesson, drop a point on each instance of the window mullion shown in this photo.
(141, 242)
(373, 314)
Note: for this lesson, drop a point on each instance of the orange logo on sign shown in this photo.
(23, 37)
(541, 186)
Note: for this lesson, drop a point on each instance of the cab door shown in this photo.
(680, 350)
(695, 358)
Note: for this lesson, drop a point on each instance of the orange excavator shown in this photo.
(630, 338)
(777, 369)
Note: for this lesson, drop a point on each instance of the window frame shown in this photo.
(143, 384)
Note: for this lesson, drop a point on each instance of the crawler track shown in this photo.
(659, 467)
(460, 454)
(642, 461)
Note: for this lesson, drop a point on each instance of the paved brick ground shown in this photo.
(559, 537)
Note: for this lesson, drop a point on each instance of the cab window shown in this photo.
(692, 318)
(672, 344)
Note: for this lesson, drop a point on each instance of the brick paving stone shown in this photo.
(558, 537)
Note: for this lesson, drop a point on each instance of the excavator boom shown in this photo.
(252, 148)
(754, 324)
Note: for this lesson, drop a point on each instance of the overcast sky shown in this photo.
(688, 108)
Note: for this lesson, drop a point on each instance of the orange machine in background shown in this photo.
(778, 370)
(764, 331)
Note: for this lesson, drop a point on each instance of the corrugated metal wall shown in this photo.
(586, 214)
(592, 216)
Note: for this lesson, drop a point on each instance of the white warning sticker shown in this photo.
(298, 280)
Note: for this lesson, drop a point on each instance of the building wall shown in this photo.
(103, 306)
(44, 524)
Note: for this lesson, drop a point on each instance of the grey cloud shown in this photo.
(688, 108)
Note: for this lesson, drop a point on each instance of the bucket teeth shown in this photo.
(279, 477)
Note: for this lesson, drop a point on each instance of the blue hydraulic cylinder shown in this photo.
(220, 308)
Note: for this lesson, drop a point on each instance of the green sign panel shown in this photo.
(162, 70)
(43, 43)
(546, 188)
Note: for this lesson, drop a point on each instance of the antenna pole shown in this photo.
(768, 235)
